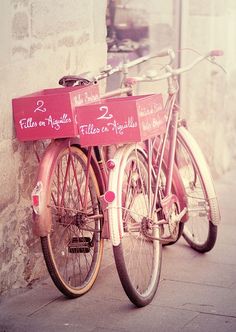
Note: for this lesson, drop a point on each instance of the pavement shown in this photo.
(197, 292)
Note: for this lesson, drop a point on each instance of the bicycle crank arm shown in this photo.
(179, 216)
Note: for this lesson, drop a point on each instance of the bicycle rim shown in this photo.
(200, 231)
(138, 259)
(73, 249)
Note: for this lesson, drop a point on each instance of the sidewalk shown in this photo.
(196, 293)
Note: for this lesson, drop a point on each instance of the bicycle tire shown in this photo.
(200, 231)
(137, 258)
(73, 250)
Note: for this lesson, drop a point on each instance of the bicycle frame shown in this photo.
(95, 158)
(167, 155)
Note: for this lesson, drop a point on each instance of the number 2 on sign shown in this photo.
(40, 104)
(105, 115)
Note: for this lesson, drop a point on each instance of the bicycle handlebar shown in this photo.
(210, 56)
(165, 52)
(170, 72)
(88, 77)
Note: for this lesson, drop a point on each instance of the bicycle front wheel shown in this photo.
(200, 231)
(73, 249)
(137, 257)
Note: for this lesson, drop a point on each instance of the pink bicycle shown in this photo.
(148, 194)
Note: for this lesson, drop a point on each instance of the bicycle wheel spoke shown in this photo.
(74, 247)
(199, 231)
(137, 258)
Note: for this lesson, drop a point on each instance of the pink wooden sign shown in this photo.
(121, 120)
(50, 113)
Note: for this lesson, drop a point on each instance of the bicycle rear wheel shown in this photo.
(137, 257)
(74, 247)
(200, 231)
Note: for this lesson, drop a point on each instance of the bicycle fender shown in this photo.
(42, 222)
(116, 229)
(179, 191)
(188, 140)
(41, 217)
(177, 186)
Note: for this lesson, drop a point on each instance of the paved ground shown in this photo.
(197, 292)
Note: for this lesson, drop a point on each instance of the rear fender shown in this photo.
(179, 191)
(177, 186)
(42, 221)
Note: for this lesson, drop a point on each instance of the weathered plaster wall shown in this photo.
(208, 94)
(40, 42)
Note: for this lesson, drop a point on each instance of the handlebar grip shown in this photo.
(216, 53)
(164, 52)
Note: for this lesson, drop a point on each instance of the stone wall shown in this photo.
(40, 42)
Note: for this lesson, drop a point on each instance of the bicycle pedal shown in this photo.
(203, 207)
(79, 245)
(167, 238)
(201, 203)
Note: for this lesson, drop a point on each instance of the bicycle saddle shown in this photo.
(71, 80)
